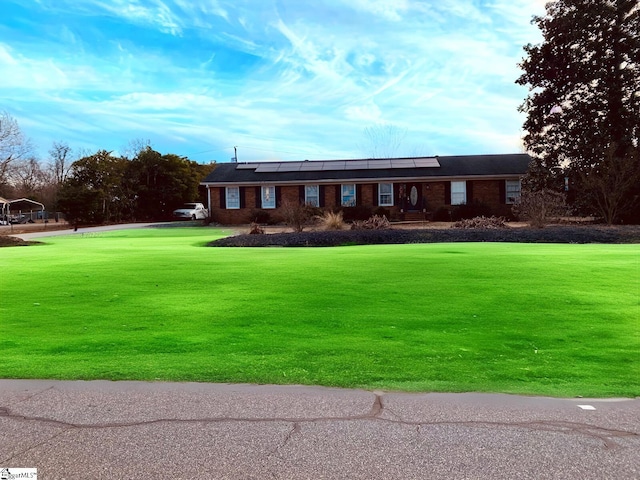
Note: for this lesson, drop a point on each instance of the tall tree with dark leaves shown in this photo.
(583, 108)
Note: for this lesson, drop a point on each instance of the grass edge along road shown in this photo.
(155, 304)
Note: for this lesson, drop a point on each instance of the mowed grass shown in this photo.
(155, 304)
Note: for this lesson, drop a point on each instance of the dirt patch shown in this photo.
(6, 241)
(553, 234)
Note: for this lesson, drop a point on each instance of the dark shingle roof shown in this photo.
(453, 166)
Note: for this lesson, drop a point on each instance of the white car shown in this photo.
(191, 211)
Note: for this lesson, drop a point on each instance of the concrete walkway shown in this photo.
(138, 430)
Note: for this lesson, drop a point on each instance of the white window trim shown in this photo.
(272, 201)
(380, 202)
(317, 196)
(342, 202)
(509, 201)
(463, 191)
(227, 202)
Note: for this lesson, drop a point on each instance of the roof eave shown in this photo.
(444, 178)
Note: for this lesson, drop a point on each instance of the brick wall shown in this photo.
(485, 191)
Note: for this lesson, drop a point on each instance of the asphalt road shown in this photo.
(138, 430)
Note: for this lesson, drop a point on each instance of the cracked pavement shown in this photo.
(102, 429)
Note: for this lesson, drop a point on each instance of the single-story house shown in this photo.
(408, 188)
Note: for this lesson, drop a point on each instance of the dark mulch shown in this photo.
(553, 234)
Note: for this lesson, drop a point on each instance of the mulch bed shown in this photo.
(6, 241)
(552, 234)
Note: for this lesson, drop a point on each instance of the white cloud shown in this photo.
(285, 78)
(392, 10)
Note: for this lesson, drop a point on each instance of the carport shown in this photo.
(25, 208)
(4, 211)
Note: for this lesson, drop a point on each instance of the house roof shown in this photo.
(319, 171)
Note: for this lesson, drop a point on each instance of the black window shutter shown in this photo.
(223, 197)
(503, 191)
(338, 195)
(469, 191)
(358, 194)
(447, 193)
(301, 194)
(376, 192)
(278, 196)
(258, 197)
(321, 194)
(242, 197)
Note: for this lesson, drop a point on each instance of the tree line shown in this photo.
(98, 187)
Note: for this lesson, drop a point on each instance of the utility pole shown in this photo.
(235, 154)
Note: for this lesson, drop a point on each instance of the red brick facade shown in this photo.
(433, 196)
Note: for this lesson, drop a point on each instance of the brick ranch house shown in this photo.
(406, 188)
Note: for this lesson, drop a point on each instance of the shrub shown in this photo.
(540, 207)
(359, 212)
(255, 229)
(382, 212)
(296, 214)
(471, 210)
(373, 223)
(259, 216)
(442, 214)
(332, 221)
(481, 222)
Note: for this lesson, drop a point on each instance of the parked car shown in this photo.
(191, 211)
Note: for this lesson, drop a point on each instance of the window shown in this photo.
(512, 189)
(348, 195)
(458, 193)
(269, 197)
(385, 194)
(233, 197)
(312, 195)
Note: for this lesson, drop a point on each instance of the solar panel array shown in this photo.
(340, 165)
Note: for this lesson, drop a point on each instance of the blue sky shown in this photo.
(279, 79)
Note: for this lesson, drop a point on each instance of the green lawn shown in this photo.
(155, 304)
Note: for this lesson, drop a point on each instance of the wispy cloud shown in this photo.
(280, 79)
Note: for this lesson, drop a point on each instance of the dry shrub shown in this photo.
(540, 207)
(481, 222)
(296, 215)
(372, 223)
(255, 229)
(332, 221)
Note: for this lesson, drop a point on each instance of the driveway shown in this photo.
(138, 430)
(33, 231)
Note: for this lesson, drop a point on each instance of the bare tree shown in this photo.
(134, 147)
(28, 178)
(60, 161)
(13, 145)
(383, 140)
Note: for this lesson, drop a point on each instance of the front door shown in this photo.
(414, 197)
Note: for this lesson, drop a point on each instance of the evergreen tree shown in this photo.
(583, 109)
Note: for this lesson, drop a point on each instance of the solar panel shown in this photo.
(334, 165)
(267, 167)
(340, 165)
(379, 163)
(289, 167)
(403, 163)
(311, 166)
(427, 162)
(357, 165)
